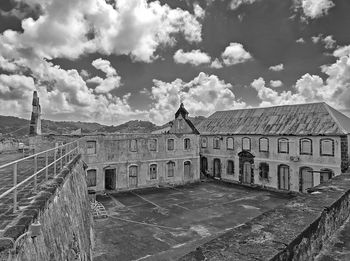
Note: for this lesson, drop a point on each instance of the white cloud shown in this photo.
(313, 9)
(329, 42)
(235, 54)
(202, 96)
(198, 10)
(7, 65)
(277, 68)
(69, 29)
(276, 83)
(234, 4)
(112, 81)
(194, 57)
(316, 39)
(216, 64)
(300, 40)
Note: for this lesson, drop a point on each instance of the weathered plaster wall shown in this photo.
(113, 152)
(295, 231)
(273, 158)
(63, 209)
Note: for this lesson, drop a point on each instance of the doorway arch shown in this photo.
(246, 167)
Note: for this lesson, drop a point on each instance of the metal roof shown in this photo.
(300, 119)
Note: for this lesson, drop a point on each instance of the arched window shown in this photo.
(264, 170)
(283, 145)
(171, 168)
(263, 144)
(230, 167)
(216, 142)
(91, 178)
(152, 144)
(204, 142)
(133, 145)
(229, 143)
(327, 147)
(170, 144)
(153, 171)
(187, 144)
(187, 169)
(246, 143)
(305, 146)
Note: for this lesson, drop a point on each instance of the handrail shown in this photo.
(66, 156)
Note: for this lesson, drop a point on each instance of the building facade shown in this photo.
(131, 161)
(292, 147)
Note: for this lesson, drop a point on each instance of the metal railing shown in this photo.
(60, 156)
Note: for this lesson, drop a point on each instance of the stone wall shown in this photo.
(62, 207)
(295, 231)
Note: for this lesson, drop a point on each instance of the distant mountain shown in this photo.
(18, 127)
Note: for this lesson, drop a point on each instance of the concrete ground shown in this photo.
(339, 247)
(166, 223)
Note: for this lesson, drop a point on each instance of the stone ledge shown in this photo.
(45, 195)
(295, 231)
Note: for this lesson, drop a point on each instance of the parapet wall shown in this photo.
(62, 207)
(295, 231)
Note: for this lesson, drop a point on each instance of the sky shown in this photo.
(111, 61)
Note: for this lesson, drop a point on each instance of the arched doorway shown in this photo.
(306, 179)
(187, 170)
(283, 177)
(217, 168)
(246, 171)
(204, 165)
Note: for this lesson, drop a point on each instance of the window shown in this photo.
(133, 145)
(153, 171)
(91, 178)
(327, 147)
(230, 167)
(245, 143)
(91, 147)
(283, 177)
(204, 142)
(133, 180)
(283, 145)
(264, 145)
(264, 170)
(229, 143)
(171, 168)
(216, 143)
(326, 174)
(152, 144)
(305, 146)
(187, 144)
(170, 144)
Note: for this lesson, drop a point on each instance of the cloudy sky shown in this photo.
(111, 61)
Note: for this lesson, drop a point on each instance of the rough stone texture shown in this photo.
(62, 207)
(296, 231)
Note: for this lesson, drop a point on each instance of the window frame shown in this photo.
(263, 171)
(170, 162)
(321, 152)
(278, 145)
(232, 173)
(167, 144)
(300, 146)
(130, 147)
(87, 147)
(156, 144)
(268, 144)
(279, 167)
(206, 142)
(150, 172)
(184, 143)
(87, 177)
(216, 143)
(233, 143)
(250, 143)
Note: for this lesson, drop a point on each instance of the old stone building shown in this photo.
(129, 161)
(291, 147)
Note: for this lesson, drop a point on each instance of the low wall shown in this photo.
(295, 231)
(62, 207)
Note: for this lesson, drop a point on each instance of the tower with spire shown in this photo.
(35, 121)
(182, 124)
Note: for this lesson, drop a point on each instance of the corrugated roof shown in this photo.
(300, 119)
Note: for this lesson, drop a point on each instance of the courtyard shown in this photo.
(166, 223)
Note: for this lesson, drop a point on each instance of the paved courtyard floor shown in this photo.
(166, 223)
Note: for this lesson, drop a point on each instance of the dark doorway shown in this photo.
(187, 170)
(306, 179)
(283, 177)
(246, 171)
(326, 174)
(217, 168)
(110, 179)
(204, 165)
